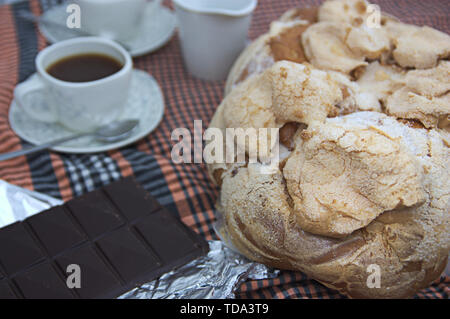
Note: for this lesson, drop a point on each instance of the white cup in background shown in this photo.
(212, 34)
(80, 106)
(113, 19)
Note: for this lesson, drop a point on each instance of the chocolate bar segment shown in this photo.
(131, 199)
(18, 249)
(42, 282)
(97, 279)
(117, 238)
(120, 247)
(56, 230)
(161, 228)
(95, 213)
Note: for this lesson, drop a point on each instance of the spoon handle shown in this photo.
(41, 147)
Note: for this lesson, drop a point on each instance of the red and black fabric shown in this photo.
(184, 188)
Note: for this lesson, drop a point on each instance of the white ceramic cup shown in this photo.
(80, 106)
(212, 34)
(113, 19)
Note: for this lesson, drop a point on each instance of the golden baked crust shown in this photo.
(344, 11)
(349, 44)
(282, 42)
(363, 178)
(409, 243)
(345, 174)
(424, 97)
(417, 47)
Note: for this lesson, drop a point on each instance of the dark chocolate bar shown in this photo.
(119, 236)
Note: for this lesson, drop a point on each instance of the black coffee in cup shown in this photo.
(84, 67)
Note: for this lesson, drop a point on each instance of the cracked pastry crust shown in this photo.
(369, 163)
(417, 47)
(282, 42)
(364, 125)
(409, 242)
(325, 47)
(349, 45)
(425, 96)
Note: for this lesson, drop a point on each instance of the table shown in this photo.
(184, 188)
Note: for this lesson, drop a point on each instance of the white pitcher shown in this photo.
(212, 34)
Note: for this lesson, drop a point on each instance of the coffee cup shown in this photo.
(80, 106)
(113, 19)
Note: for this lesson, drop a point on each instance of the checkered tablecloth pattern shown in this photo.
(184, 188)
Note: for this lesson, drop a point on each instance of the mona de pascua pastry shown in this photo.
(364, 131)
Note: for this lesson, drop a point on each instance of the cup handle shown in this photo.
(49, 115)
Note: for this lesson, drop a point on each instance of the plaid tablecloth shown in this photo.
(185, 188)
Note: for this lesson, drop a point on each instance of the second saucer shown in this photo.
(156, 29)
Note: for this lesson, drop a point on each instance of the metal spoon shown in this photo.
(109, 133)
(39, 19)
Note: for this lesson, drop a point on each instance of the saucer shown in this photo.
(145, 103)
(156, 29)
